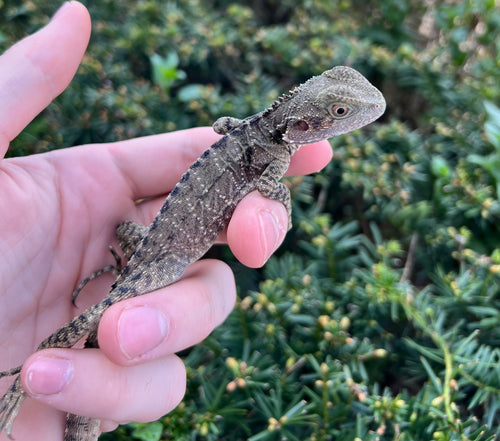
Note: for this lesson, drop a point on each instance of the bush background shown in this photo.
(379, 317)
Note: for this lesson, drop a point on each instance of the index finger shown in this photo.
(310, 158)
(152, 165)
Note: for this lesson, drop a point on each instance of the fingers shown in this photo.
(152, 165)
(37, 69)
(310, 158)
(87, 383)
(135, 376)
(169, 319)
(257, 229)
(258, 225)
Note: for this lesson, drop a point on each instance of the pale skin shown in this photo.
(58, 212)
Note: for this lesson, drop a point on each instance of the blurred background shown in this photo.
(378, 319)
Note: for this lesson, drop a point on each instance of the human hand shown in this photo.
(58, 212)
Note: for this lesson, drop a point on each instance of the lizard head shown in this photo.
(337, 101)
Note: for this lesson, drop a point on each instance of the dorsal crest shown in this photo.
(283, 98)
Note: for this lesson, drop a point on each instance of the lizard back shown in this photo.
(200, 206)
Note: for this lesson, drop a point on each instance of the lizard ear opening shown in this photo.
(296, 131)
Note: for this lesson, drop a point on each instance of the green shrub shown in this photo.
(379, 318)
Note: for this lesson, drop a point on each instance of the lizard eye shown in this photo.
(340, 111)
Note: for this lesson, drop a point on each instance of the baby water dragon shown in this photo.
(254, 154)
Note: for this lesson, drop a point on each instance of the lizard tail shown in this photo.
(79, 327)
(79, 428)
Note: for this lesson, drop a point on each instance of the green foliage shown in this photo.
(165, 70)
(379, 318)
(491, 162)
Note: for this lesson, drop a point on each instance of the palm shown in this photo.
(58, 213)
(60, 210)
(55, 228)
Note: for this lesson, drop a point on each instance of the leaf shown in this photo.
(435, 380)
(492, 126)
(493, 112)
(165, 70)
(440, 167)
(191, 92)
(147, 431)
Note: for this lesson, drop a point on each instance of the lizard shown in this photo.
(253, 154)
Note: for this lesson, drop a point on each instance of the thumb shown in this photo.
(37, 69)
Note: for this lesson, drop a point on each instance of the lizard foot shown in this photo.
(10, 405)
(225, 124)
(114, 269)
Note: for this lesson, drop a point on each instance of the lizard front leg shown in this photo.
(270, 187)
(225, 124)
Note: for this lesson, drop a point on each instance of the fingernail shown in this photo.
(140, 330)
(48, 376)
(273, 231)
